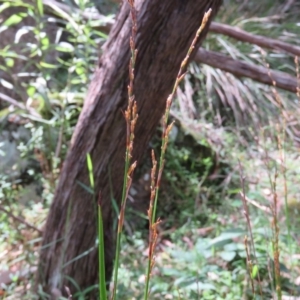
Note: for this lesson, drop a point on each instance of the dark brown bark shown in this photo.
(165, 31)
(242, 69)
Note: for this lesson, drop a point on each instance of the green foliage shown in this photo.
(56, 80)
(202, 253)
(101, 247)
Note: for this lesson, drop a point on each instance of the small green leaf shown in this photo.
(45, 42)
(226, 237)
(14, 277)
(9, 62)
(228, 255)
(65, 47)
(254, 271)
(47, 66)
(13, 20)
(80, 70)
(31, 90)
(90, 168)
(76, 81)
(4, 112)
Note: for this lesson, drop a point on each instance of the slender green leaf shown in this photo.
(47, 66)
(87, 188)
(13, 20)
(40, 7)
(4, 6)
(101, 257)
(90, 168)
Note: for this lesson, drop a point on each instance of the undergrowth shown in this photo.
(229, 200)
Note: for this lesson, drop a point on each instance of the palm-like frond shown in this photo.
(243, 102)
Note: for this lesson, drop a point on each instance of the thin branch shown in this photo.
(19, 105)
(259, 40)
(242, 69)
(256, 204)
(20, 220)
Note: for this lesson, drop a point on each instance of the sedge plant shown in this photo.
(155, 182)
(281, 140)
(131, 119)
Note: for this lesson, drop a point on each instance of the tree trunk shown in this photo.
(165, 31)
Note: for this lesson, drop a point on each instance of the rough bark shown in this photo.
(165, 31)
